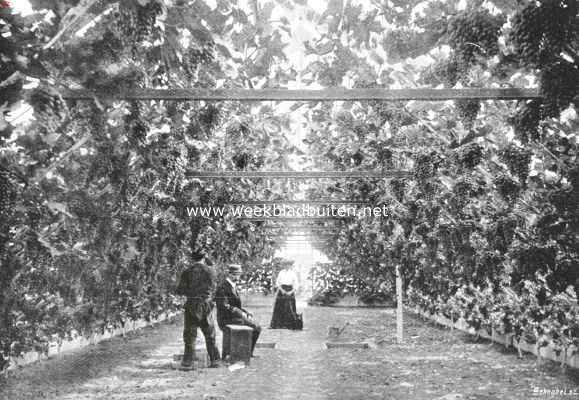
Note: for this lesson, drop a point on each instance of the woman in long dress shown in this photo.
(284, 310)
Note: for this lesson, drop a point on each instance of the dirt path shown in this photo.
(432, 363)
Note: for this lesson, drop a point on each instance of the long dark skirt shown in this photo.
(284, 311)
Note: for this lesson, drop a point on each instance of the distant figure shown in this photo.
(285, 315)
(198, 283)
(229, 310)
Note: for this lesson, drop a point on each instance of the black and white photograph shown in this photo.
(289, 199)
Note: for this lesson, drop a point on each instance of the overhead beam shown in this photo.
(284, 228)
(300, 223)
(329, 94)
(298, 174)
(297, 202)
(291, 219)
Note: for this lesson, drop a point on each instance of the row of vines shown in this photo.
(488, 227)
(93, 194)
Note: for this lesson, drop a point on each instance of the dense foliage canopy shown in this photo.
(92, 193)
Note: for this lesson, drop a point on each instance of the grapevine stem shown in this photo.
(561, 163)
(13, 120)
(11, 79)
(82, 10)
(77, 145)
(476, 45)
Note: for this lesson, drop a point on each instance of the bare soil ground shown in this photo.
(432, 363)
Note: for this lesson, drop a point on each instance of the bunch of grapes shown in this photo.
(398, 187)
(384, 155)
(399, 43)
(175, 165)
(7, 191)
(136, 22)
(423, 230)
(242, 160)
(357, 158)
(559, 86)
(96, 121)
(209, 117)
(540, 31)
(81, 205)
(48, 107)
(526, 121)
(564, 200)
(7, 200)
(466, 187)
(136, 126)
(507, 188)
(196, 56)
(467, 111)
(448, 72)
(473, 33)
(431, 213)
(426, 166)
(193, 155)
(107, 47)
(573, 178)
(469, 155)
(518, 161)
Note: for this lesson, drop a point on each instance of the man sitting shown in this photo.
(229, 310)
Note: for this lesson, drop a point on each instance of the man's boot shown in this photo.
(188, 356)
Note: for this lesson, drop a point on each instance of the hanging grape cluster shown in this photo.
(563, 200)
(107, 47)
(540, 31)
(398, 187)
(244, 160)
(8, 195)
(467, 111)
(468, 156)
(448, 72)
(384, 156)
(559, 86)
(526, 121)
(426, 165)
(473, 33)
(357, 158)
(518, 161)
(48, 108)
(136, 127)
(209, 117)
(507, 188)
(196, 56)
(174, 162)
(136, 22)
(7, 191)
(466, 187)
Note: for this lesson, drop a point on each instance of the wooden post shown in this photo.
(399, 310)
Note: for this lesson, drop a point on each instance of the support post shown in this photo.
(399, 309)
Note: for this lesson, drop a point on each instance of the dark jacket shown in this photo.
(229, 309)
(197, 283)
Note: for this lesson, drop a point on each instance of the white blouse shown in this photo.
(287, 277)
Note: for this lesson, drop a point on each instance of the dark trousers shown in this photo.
(199, 314)
(247, 322)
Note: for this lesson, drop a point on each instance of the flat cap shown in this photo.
(234, 268)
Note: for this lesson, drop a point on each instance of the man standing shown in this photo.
(198, 283)
(229, 310)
